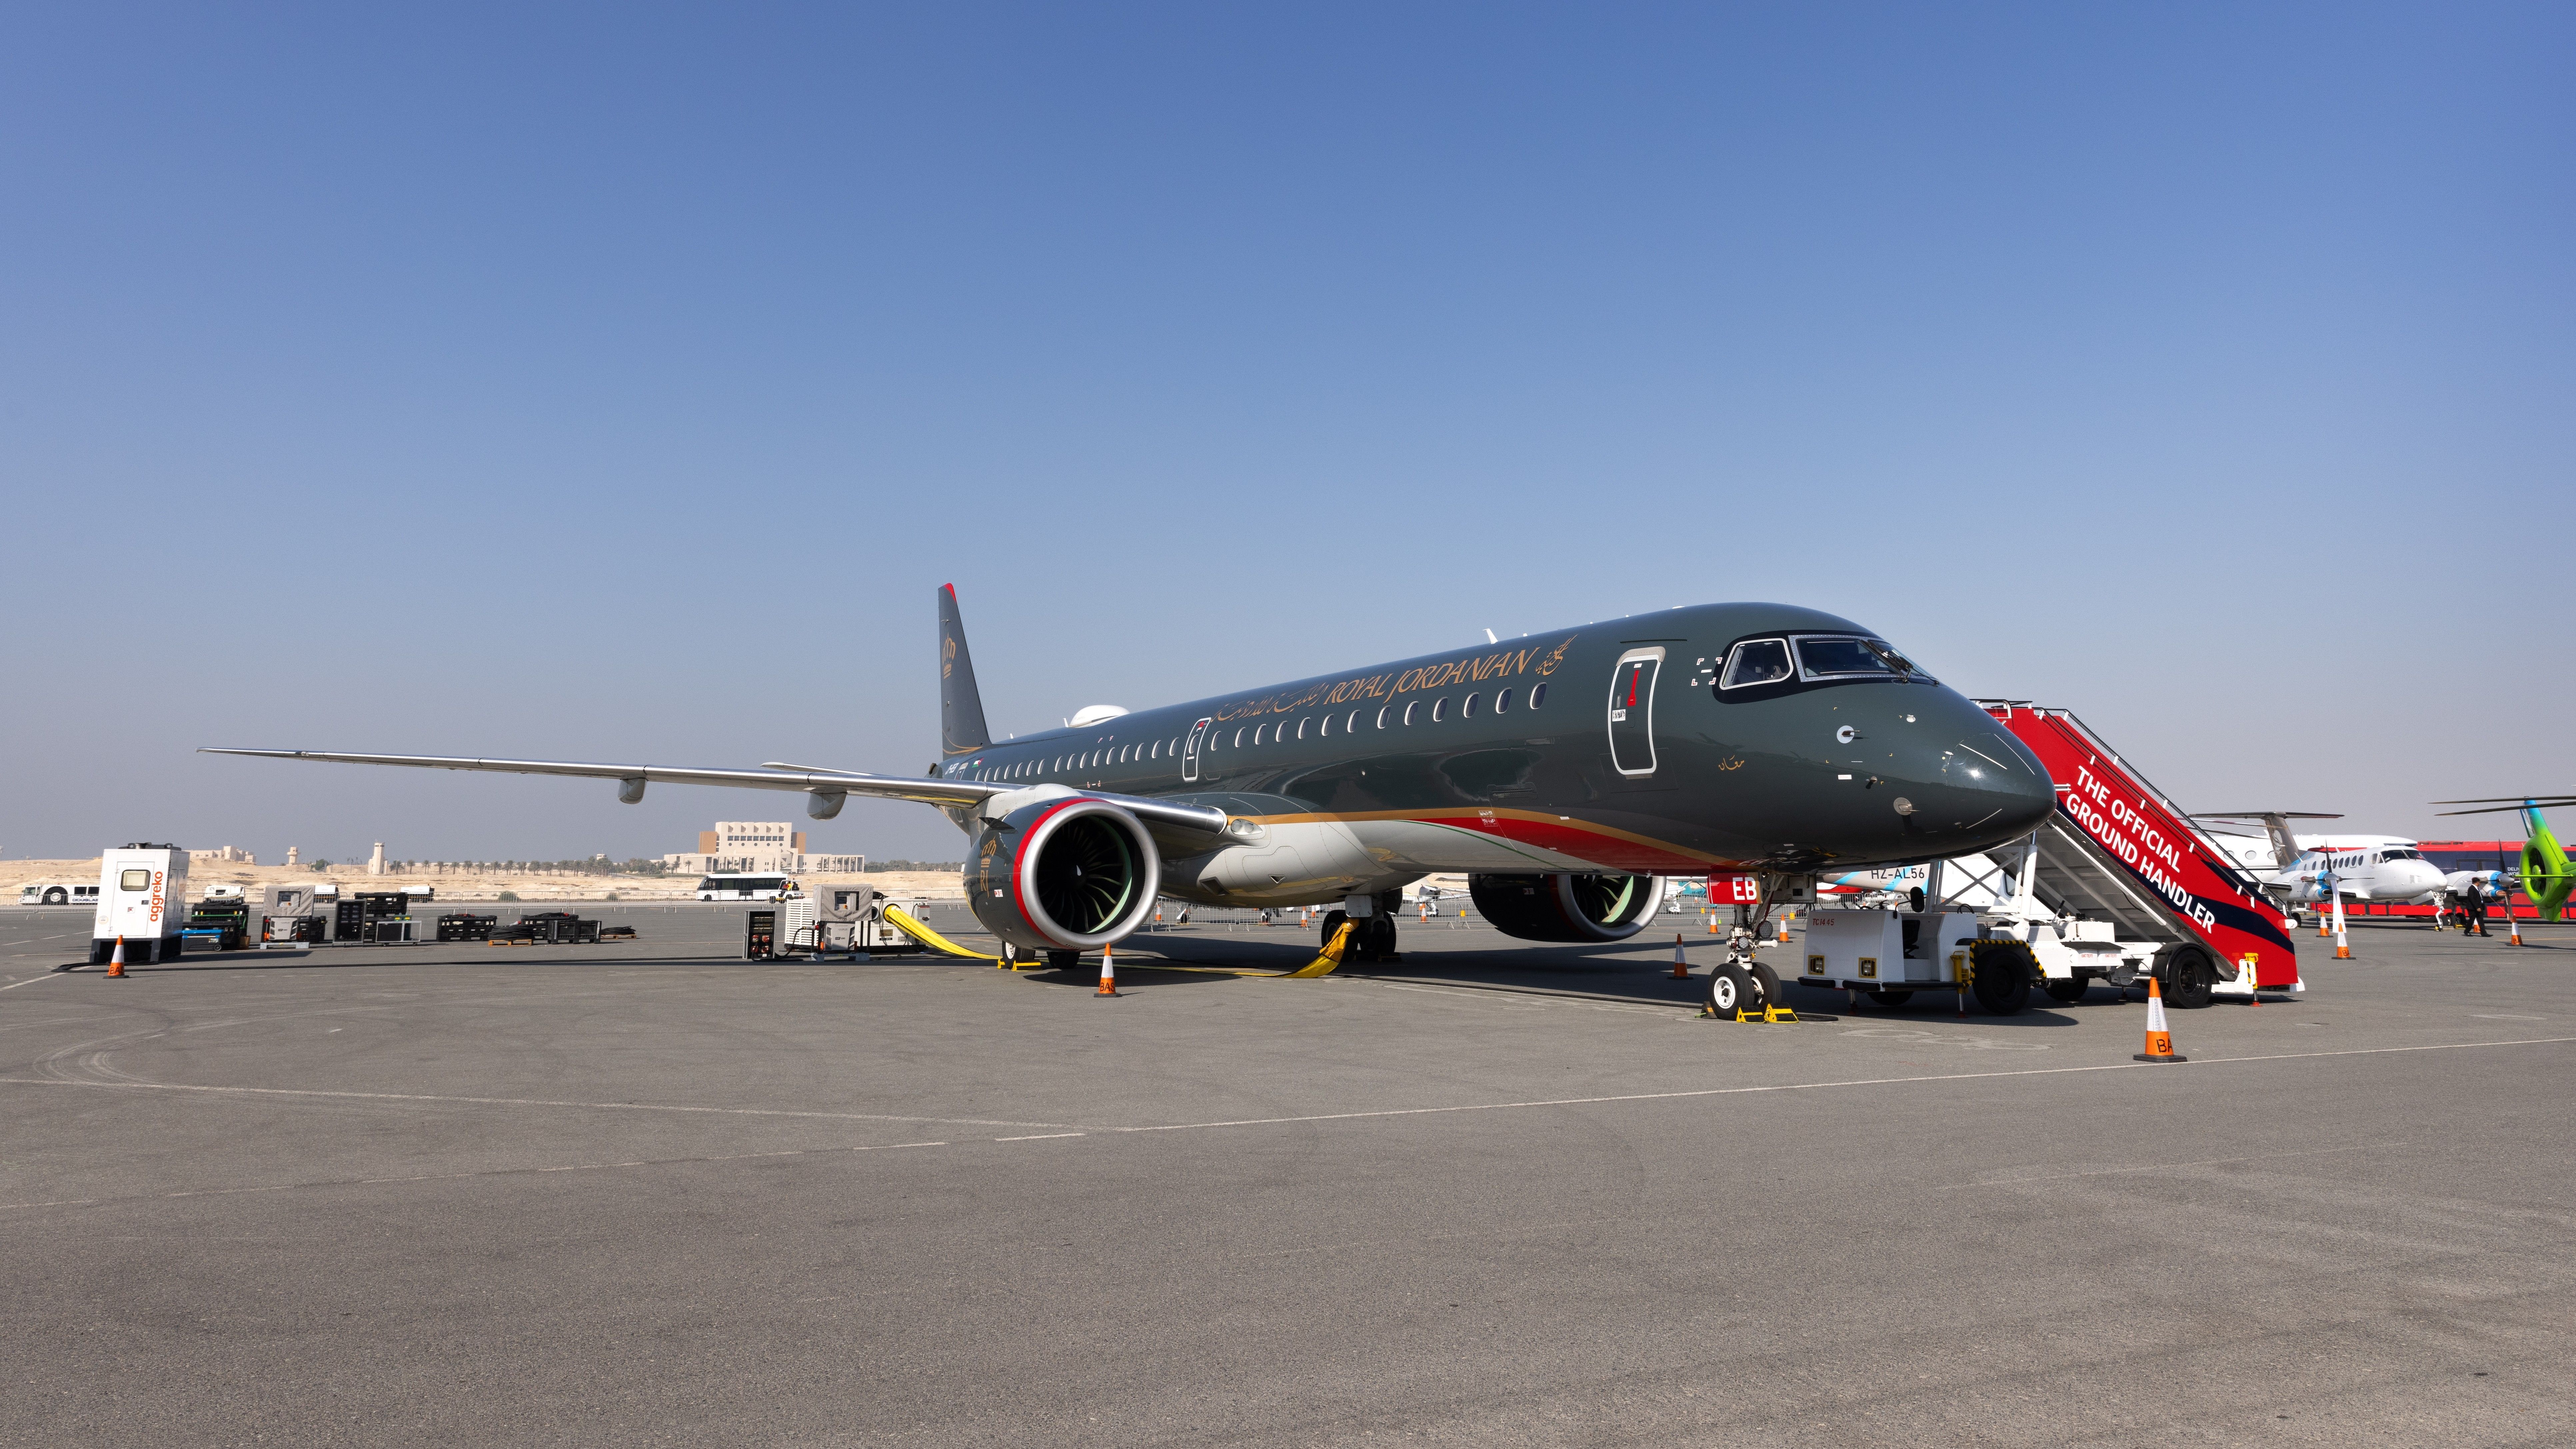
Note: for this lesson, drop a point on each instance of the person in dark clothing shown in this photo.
(2476, 908)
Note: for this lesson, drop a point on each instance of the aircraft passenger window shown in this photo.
(1301, 729)
(1381, 715)
(1468, 709)
(1538, 695)
(1259, 732)
(1325, 728)
(1238, 739)
(1409, 709)
(1756, 661)
(1439, 709)
(1176, 746)
(1156, 752)
(1351, 726)
(1502, 700)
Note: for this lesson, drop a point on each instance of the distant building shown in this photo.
(226, 855)
(760, 846)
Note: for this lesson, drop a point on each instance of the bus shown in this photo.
(58, 893)
(731, 887)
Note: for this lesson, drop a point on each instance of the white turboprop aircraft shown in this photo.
(2312, 869)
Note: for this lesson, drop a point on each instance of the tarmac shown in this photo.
(1493, 1194)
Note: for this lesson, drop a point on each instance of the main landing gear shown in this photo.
(1374, 940)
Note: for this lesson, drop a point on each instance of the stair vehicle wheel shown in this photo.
(2070, 990)
(2004, 971)
(1334, 921)
(1891, 999)
(1766, 986)
(2188, 979)
(1730, 990)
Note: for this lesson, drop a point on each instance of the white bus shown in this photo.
(731, 887)
(57, 893)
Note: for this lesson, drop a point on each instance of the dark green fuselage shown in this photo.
(1600, 755)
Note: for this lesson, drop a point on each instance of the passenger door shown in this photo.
(1190, 753)
(1632, 711)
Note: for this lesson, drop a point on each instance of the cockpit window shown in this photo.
(2401, 855)
(1842, 656)
(1757, 661)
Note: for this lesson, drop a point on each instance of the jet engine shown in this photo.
(1064, 873)
(1580, 908)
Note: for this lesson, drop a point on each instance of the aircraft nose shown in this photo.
(1973, 783)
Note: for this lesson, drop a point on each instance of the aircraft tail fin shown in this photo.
(2276, 827)
(961, 705)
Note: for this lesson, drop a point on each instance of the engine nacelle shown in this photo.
(1063, 873)
(1576, 908)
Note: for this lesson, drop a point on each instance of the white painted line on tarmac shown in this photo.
(1820, 1086)
(32, 980)
(512, 1102)
(1041, 1136)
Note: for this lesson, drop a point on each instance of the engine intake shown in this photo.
(1068, 873)
(1567, 907)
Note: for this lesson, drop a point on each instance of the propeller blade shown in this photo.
(2501, 809)
(2561, 799)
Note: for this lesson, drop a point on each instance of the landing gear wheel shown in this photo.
(2004, 970)
(1891, 999)
(1380, 935)
(1766, 986)
(1731, 990)
(2188, 979)
(1068, 962)
(1334, 921)
(2070, 990)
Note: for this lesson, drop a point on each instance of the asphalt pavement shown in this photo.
(1492, 1194)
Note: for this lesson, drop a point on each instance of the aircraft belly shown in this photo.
(1423, 846)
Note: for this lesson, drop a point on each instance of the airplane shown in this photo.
(2545, 875)
(2313, 870)
(1565, 774)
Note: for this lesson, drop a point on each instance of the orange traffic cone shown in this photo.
(1712, 923)
(2512, 925)
(2343, 949)
(1108, 974)
(1681, 968)
(2322, 932)
(1784, 928)
(2159, 1040)
(116, 961)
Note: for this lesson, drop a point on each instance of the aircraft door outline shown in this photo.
(1190, 753)
(1632, 711)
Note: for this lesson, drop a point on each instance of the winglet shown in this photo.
(961, 706)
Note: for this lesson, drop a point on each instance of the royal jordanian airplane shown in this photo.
(1564, 775)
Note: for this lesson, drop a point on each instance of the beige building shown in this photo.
(759, 846)
(225, 855)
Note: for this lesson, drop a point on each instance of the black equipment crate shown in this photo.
(760, 935)
(464, 926)
(561, 926)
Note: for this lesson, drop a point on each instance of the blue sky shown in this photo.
(620, 382)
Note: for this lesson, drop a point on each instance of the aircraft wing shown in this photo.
(1196, 825)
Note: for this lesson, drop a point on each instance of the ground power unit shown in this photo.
(142, 891)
